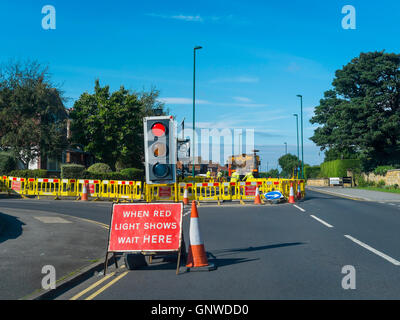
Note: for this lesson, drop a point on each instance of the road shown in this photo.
(268, 252)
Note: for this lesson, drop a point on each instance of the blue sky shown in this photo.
(256, 56)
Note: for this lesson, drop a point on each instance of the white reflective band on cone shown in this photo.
(194, 232)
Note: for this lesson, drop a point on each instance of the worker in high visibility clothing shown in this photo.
(208, 174)
(248, 176)
(235, 177)
(219, 175)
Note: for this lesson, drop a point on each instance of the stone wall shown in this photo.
(318, 182)
(391, 178)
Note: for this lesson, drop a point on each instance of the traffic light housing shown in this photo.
(160, 150)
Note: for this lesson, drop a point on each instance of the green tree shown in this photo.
(110, 125)
(288, 163)
(32, 114)
(359, 117)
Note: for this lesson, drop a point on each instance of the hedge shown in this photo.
(72, 171)
(100, 168)
(338, 168)
(37, 173)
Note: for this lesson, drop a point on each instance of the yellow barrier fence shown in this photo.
(132, 190)
(161, 192)
(207, 191)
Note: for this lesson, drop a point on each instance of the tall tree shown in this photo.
(288, 163)
(359, 116)
(32, 113)
(110, 126)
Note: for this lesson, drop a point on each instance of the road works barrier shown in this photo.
(163, 192)
(207, 191)
(116, 190)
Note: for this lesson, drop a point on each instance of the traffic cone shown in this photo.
(257, 199)
(291, 194)
(185, 197)
(298, 196)
(197, 258)
(84, 196)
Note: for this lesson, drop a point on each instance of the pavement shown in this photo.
(33, 236)
(360, 194)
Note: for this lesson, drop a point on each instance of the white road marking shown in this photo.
(301, 209)
(392, 204)
(382, 255)
(322, 221)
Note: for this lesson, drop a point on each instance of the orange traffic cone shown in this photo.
(298, 196)
(185, 197)
(197, 258)
(291, 194)
(84, 196)
(257, 199)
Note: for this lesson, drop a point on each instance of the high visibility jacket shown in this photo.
(208, 174)
(235, 177)
(248, 176)
(219, 174)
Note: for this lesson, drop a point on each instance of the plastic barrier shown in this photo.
(164, 192)
(94, 189)
(207, 191)
(247, 190)
(68, 188)
(181, 191)
(132, 190)
(17, 184)
(128, 190)
(47, 187)
(229, 191)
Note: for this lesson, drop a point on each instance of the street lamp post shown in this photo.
(285, 143)
(194, 104)
(297, 131)
(302, 141)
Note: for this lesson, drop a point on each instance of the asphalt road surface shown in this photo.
(301, 251)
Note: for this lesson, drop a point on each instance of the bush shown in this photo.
(133, 174)
(72, 171)
(338, 168)
(382, 170)
(312, 172)
(37, 173)
(7, 163)
(99, 168)
(381, 183)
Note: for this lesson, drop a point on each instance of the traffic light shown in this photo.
(160, 150)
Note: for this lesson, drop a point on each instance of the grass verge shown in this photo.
(390, 190)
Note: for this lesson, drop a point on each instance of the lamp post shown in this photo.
(297, 131)
(285, 143)
(302, 145)
(194, 104)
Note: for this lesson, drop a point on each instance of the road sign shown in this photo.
(184, 150)
(145, 227)
(160, 150)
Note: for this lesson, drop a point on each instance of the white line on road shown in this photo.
(322, 221)
(301, 209)
(382, 255)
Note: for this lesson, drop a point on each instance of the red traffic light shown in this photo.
(158, 129)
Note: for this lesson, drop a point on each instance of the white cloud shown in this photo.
(189, 101)
(188, 18)
(176, 100)
(242, 99)
(240, 79)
